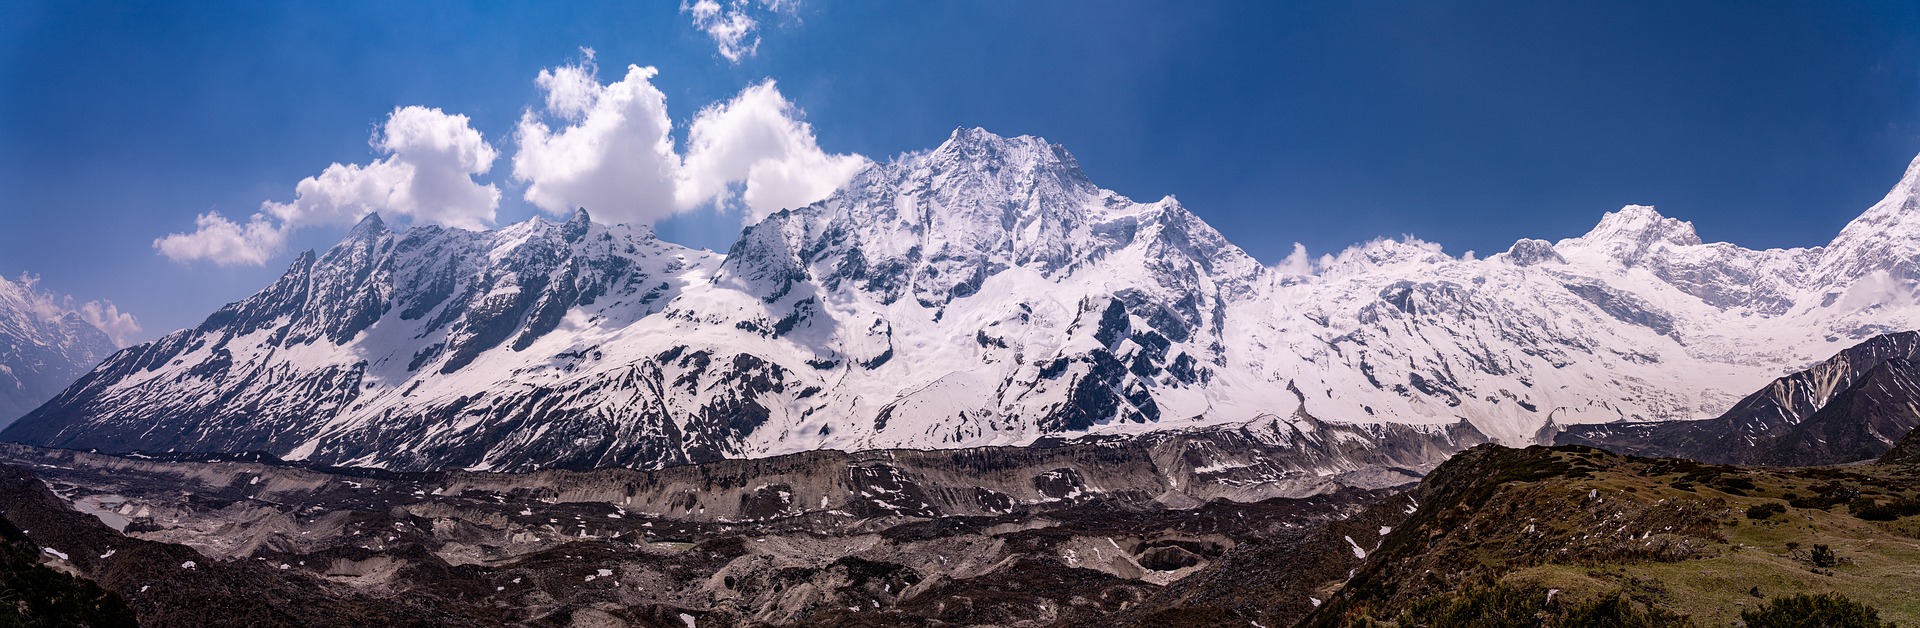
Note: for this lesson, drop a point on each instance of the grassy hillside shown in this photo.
(1666, 535)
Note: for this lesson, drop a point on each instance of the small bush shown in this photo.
(1499, 606)
(1828, 610)
(1832, 494)
(1823, 556)
(1872, 510)
(1766, 510)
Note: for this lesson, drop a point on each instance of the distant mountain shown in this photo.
(43, 348)
(983, 292)
(1853, 407)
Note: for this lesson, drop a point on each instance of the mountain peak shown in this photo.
(1629, 233)
(1642, 223)
(577, 225)
(1531, 252)
(369, 227)
(983, 148)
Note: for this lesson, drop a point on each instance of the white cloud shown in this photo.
(120, 327)
(224, 242)
(758, 138)
(427, 176)
(571, 89)
(733, 25)
(616, 157)
(1297, 262)
(606, 147)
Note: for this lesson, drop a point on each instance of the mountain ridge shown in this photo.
(43, 347)
(1852, 407)
(984, 292)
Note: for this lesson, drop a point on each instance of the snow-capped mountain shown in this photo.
(43, 348)
(984, 292)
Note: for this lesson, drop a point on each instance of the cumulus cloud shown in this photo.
(608, 147)
(426, 176)
(757, 138)
(225, 242)
(734, 26)
(119, 326)
(1297, 262)
(614, 153)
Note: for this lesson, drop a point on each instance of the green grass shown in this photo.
(1880, 561)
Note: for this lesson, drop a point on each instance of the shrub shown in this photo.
(1871, 510)
(1823, 556)
(1827, 610)
(1500, 606)
(1766, 510)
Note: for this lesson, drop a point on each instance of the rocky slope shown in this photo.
(1853, 407)
(985, 292)
(43, 348)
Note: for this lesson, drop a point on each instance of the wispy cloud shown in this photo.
(735, 24)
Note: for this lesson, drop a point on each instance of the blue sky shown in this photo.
(1469, 124)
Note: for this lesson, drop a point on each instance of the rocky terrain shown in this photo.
(984, 292)
(1029, 537)
(1041, 539)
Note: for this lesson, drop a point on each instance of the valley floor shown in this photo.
(237, 541)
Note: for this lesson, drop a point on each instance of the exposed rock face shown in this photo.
(985, 292)
(1853, 407)
(42, 348)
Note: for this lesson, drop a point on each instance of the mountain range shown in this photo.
(985, 292)
(43, 347)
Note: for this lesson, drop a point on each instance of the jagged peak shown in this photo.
(1629, 234)
(1897, 207)
(370, 226)
(1642, 225)
(577, 225)
(982, 148)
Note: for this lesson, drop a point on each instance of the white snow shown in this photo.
(984, 270)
